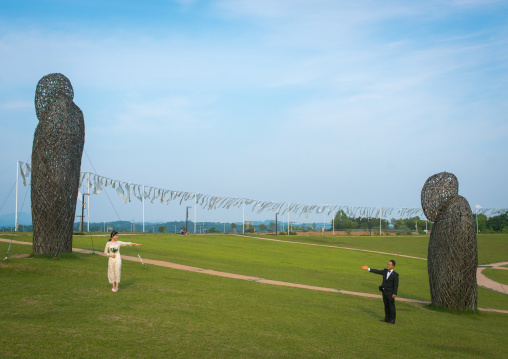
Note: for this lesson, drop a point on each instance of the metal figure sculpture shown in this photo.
(56, 163)
(453, 254)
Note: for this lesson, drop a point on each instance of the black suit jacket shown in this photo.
(390, 285)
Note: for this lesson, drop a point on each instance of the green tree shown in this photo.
(497, 223)
(162, 229)
(272, 226)
(262, 227)
(342, 221)
(481, 220)
(409, 224)
(214, 230)
(233, 227)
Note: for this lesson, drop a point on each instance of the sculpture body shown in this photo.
(452, 254)
(56, 163)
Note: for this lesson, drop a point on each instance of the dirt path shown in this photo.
(273, 282)
(485, 282)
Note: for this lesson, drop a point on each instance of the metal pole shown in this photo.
(88, 207)
(276, 226)
(195, 206)
(82, 212)
(288, 218)
(380, 221)
(243, 223)
(333, 224)
(83, 206)
(143, 208)
(186, 218)
(16, 212)
(476, 222)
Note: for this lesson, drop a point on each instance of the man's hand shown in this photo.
(393, 296)
(365, 267)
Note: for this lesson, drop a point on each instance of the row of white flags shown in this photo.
(96, 183)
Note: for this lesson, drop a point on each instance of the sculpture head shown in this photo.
(48, 88)
(437, 191)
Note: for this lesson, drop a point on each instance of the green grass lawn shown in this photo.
(498, 275)
(65, 307)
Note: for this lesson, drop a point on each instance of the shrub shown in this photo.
(214, 230)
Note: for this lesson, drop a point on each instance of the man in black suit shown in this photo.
(389, 288)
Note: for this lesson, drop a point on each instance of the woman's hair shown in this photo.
(113, 233)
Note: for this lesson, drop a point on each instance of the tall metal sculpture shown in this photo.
(453, 253)
(56, 163)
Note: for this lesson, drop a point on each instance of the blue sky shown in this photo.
(313, 102)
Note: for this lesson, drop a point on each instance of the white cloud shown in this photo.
(324, 94)
(160, 115)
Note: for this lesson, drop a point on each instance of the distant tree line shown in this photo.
(485, 225)
(492, 224)
(341, 222)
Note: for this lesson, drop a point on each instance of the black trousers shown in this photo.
(389, 303)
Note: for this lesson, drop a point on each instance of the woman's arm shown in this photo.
(128, 244)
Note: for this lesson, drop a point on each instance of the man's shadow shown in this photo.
(371, 312)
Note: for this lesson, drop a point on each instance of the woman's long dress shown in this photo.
(115, 264)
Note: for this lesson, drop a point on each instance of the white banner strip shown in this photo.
(123, 189)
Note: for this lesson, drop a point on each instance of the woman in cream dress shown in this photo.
(112, 250)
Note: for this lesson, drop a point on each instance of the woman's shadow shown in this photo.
(126, 283)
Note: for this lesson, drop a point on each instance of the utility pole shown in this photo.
(187, 218)
(83, 206)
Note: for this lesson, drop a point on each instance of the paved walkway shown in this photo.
(286, 284)
(489, 283)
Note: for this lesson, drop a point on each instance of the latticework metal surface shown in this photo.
(438, 190)
(453, 253)
(56, 162)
